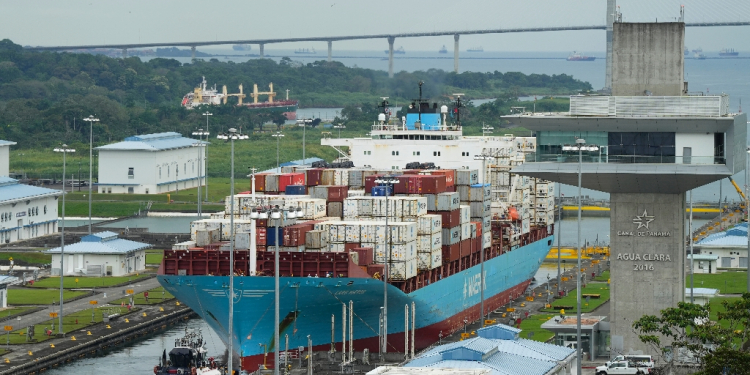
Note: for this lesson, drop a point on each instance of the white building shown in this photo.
(26, 211)
(5, 157)
(703, 263)
(4, 282)
(101, 254)
(730, 246)
(150, 164)
(701, 296)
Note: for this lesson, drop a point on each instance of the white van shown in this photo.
(639, 359)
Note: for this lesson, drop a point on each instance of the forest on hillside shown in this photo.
(44, 95)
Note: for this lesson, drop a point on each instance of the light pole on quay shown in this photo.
(65, 150)
(91, 120)
(304, 123)
(580, 146)
(206, 171)
(339, 127)
(278, 136)
(388, 182)
(484, 159)
(231, 136)
(200, 133)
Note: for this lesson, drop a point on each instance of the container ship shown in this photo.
(305, 51)
(431, 229)
(728, 52)
(575, 56)
(475, 49)
(204, 95)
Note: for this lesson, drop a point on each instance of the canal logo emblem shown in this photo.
(643, 220)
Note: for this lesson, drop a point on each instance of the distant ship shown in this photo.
(305, 51)
(699, 50)
(242, 47)
(443, 50)
(728, 52)
(699, 56)
(575, 56)
(204, 95)
(475, 49)
(399, 51)
(687, 51)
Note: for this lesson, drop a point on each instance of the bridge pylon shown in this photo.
(391, 39)
(455, 52)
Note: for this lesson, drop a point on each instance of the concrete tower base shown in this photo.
(647, 261)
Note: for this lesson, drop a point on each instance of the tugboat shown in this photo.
(188, 357)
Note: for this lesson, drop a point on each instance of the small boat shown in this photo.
(188, 357)
(699, 56)
(575, 56)
(443, 50)
(475, 49)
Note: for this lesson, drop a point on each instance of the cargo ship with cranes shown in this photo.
(205, 95)
(449, 216)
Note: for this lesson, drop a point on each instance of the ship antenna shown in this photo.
(458, 108)
(384, 105)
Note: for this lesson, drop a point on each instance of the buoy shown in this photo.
(144, 314)
(30, 353)
(88, 333)
(126, 320)
(108, 327)
(51, 345)
(161, 308)
(72, 338)
(177, 303)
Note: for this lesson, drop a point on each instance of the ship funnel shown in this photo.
(381, 118)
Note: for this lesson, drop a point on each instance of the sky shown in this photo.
(82, 22)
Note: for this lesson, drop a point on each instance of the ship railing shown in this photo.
(400, 127)
(625, 159)
(650, 106)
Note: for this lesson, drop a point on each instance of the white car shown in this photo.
(622, 367)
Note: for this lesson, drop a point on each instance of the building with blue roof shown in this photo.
(729, 246)
(5, 157)
(101, 254)
(151, 164)
(496, 350)
(26, 211)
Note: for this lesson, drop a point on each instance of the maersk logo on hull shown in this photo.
(472, 284)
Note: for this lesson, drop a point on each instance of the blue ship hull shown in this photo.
(441, 307)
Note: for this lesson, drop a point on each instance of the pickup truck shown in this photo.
(623, 367)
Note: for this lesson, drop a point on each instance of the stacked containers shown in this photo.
(478, 197)
(429, 242)
(447, 206)
(544, 206)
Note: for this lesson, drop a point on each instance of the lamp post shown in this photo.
(580, 146)
(388, 182)
(484, 159)
(200, 133)
(91, 120)
(231, 136)
(278, 136)
(486, 129)
(747, 209)
(65, 150)
(303, 123)
(558, 234)
(339, 127)
(276, 215)
(690, 234)
(206, 171)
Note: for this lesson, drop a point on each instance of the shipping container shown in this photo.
(449, 219)
(428, 224)
(316, 239)
(312, 208)
(381, 191)
(327, 177)
(465, 214)
(437, 258)
(365, 255)
(451, 235)
(260, 236)
(452, 252)
(295, 190)
(313, 176)
(465, 231)
(336, 247)
(424, 261)
(480, 209)
(370, 181)
(402, 270)
(465, 246)
(443, 201)
(291, 179)
(467, 176)
(272, 183)
(272, 233)
(355, 193)
(450, 176)
(437, 241)
(335, 209)
(260, 182)
(356, 179)
(205, 237)
(425, 184)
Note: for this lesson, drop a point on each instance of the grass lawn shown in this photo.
(154, 257)
(603, 277)
(15, 311)
(154, 297)
(731, 282)
(86, 282)
(29, 296)
(570, 299)
(30, 257)
(533, 324)
(83, 318)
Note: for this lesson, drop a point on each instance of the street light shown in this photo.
(747, 209)
(486, 129)
(580, 146)
(231, 136)
(388, 182)
(303, 123)
(200, 133)
(206, 171)
(484, 159)
(278, 136)
(65, 150)
(91, 120)
(339, 127)
(276, 215)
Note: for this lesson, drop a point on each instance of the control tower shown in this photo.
(654, 142)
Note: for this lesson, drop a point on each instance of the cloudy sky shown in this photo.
(81, 22)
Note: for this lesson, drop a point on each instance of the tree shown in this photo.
(720, 346)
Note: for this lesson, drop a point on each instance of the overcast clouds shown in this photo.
(79, 22)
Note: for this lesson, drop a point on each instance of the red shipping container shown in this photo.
(476, 245)
(337, 193)
(370, 182)
(451, 219)
(291, 179)
(424, 184)
(411, 171)
(260, 182)
(295, 235)
(261, 223)
(260, 236)
(479, 228)
(365, 255)
(451, 252)
(450, 176)
(373, 269)
(260, 248)
(314, 176)
(350, 246)
(450, 189)
(402, 187)
(465, 247)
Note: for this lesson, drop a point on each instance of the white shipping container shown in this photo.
(352, 232)
(424, 261)
(402, 232)
(183, 245)
(429, 224)
(443, 201)
(465, 231)
(451, 236)
(351, 209)
(525, 226)
(424, 243)
(437, 242)
(356, 193)
(364, 207)
(316, 239)
(486, 223)
(337, 233)
(312, 208)
(437, 258)
(467, 176)
(465, 213)
(402, 270)
(474, 229)
(404, 251)
(486, 240)
(336, 247)
(480, 209)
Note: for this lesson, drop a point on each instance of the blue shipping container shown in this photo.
(382, 191)
(271, 236)
(295, 190)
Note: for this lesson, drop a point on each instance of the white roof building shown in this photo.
(150, 164)
(729, 246)
(101, 254)
(26, 211)
(5, 157)
(4, 282)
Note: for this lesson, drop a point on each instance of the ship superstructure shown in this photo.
(445, 214)
(205, 95)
